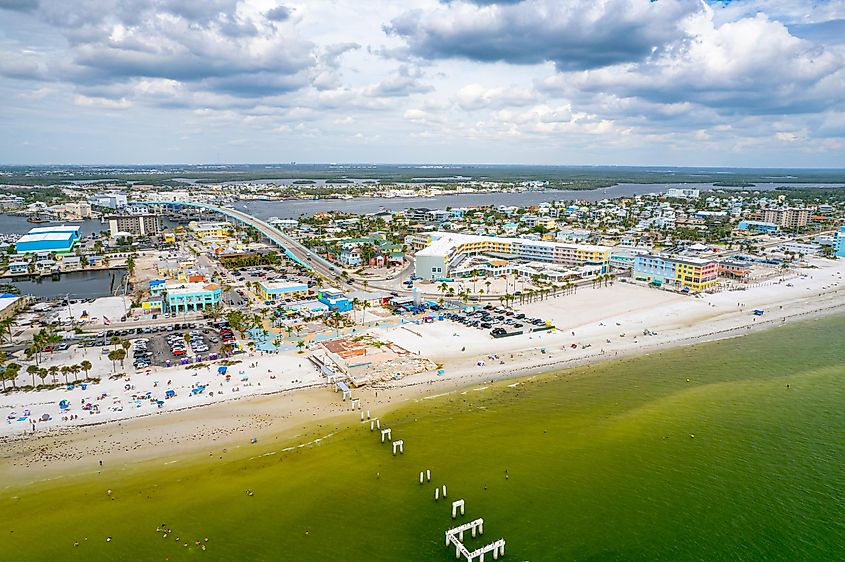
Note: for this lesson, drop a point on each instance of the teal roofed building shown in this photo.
(839, 243)
(54, 239)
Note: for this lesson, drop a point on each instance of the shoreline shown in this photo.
(285, 414)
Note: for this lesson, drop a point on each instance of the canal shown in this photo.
(77, 284)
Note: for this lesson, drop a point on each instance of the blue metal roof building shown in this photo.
(59, 239)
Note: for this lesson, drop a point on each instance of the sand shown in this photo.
(467, 355)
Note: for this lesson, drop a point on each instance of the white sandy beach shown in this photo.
(468, 356)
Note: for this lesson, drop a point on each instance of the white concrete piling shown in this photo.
(421, 477)
(388, 433)
(378, 424)
(444, 490)
(436, 494)
(368, 414)
(399, 445)
(362, 416)
(428, 475)
(372, 425)
(456, 505)
(455, 537)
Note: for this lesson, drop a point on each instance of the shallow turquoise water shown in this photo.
(621, 461)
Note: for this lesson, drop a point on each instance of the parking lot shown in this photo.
(172, 344)
(499, 321)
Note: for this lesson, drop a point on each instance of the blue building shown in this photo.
(335, 300)
(57, 239)
(758, 226)
(184, 297)
(839, 243)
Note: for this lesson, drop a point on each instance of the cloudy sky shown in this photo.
(672, 82)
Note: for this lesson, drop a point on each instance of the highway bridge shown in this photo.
(291, 248)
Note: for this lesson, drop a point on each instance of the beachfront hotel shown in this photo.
(440, 254)
(694, 274)
(839, 243)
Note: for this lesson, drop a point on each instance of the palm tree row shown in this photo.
(10, 371)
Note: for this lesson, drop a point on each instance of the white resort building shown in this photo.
(442, 254)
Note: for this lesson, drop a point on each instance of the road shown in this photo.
(292, 248)
(319, 265)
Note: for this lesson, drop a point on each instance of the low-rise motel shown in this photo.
(183, 297)
(211, 230)
(439, 254)
(693, 274)
(758, 226)
(56, 239)
(280, 291)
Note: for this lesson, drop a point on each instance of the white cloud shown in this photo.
(105, 103)
(610, 81)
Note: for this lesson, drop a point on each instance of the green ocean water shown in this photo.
(597, 463)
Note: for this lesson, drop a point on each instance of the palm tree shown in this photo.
(66, 370)
(42, 374)
(85, 366)
(126, 344)
(52, 340)
(11, 373)
(487, 284)
(32, 370)
(115, 341)
(365, 304)
(6, 327)
(236, 320)
(112, 357)
(357, 303)
(300, 344)
(54, 370)
(75, 370)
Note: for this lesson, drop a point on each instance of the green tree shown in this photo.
(85, 366)
(32, 370)
(12, 370)
(6, 326)
(112, 357)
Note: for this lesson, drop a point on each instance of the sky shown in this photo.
(569, 82)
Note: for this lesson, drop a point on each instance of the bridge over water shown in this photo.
(291, 248)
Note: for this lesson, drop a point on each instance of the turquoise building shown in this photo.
(186, 297)
(839, 243)
(335, 300)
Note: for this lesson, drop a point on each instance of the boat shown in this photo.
(36, 219)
